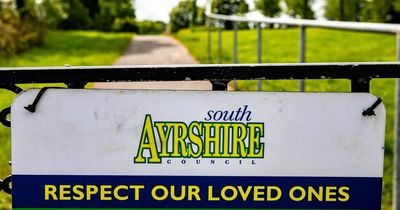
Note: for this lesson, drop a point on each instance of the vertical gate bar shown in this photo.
(219, 25)
(235, 28)
(360, 85)
(302, 53)
(219, 85)
(259, 51)
(396, 175)
(209, 40)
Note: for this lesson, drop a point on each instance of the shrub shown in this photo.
(151, 27)
(19, 33)
(124, 25)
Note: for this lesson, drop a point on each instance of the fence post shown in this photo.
(302, 53)
(235, 28)
(259, 51)
(219, 41)
(396, 170)
(209, 40)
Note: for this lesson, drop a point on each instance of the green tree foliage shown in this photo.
(151, 27)
(19, 33)
(53, 11)
(201, 16)
(112, 12)
(116, 15)
(382, 11)
(229, 7)
(181, 16)
(77, 16)
(92, 6)
(186, 14)
(195, 10)
(363, 10)
(300, 8)
(349, 10)
(268, 8)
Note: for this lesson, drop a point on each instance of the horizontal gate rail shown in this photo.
(359, 73)
(346, 25)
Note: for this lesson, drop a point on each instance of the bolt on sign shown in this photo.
(197, 149)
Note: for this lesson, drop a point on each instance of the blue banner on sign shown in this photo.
(66, 191)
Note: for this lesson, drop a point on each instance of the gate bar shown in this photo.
(359, 73)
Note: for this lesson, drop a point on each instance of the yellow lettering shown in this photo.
(78, 192)
(136, 189)
(105, 192)
(50, 190)
(117, 195)
(278, 191)
(256, 132)
(313, 193)
(65, 192)
(193, 191)
(179, 145)
(91, 190)
(164, 136)
(297, 198)
(239, 133)
(210, 194)
(225, 196)
(212, 139)
(344, 194)
(175, 197)
(225, 140)
(330, 194)
(195, 139)
(147, 141)
(259, 191)
(164, 194)
(244, 194)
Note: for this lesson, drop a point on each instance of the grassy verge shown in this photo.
(323, 45)
(75, 48)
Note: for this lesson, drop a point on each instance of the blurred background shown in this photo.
(100, 32)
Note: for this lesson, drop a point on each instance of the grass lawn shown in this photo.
(323, 45)
(75, 48)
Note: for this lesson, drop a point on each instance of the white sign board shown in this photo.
(131, 149)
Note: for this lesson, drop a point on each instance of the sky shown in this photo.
(159, 9)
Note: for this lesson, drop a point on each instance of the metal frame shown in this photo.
(76, 77)
(343, 25)
(302, 24)
(360, 75)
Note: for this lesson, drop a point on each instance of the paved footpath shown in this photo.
(156, 50)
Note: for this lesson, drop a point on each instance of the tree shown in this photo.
(349, 10)
(201, 16)
(300, 8)
(24, 7)
(20, 4)
(194, 12)
(382, 11)
(77, 16)
(181, 16)
(268, 8)
(92, 6)
(229, 7)
(54, 11)
(114, 11)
